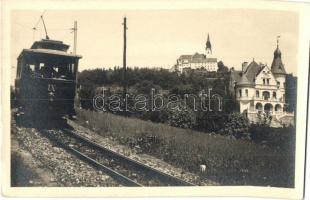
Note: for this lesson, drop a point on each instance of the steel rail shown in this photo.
(172, 180)
(121, 178)
(114, 174)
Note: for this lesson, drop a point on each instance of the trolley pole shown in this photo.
(124, 59)
(46, 36)
(75, 37)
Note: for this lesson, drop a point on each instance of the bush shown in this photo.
(237, 125)
(160, 116)
(264, 119)
(283, 138)
(183, 118)
(210, 121)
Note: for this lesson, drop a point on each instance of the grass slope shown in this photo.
(229, 161)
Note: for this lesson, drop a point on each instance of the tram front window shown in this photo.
(51, 70)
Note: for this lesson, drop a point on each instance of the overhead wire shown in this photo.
(35, 28)
(66, 35)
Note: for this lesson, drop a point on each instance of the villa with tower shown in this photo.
(197, 61)
(259, 88)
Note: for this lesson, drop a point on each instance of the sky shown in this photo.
(156, 38)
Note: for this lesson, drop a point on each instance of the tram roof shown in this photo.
(50, 44)
(49, 52)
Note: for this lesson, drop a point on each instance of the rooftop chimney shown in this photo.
(244, 66)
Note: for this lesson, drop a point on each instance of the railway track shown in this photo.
(127, 171)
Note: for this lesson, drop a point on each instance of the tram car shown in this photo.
(46, 79)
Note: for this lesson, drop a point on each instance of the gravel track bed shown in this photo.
(119, 166)
(67, 169)
(134, 154)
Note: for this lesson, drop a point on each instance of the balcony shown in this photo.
(270, 99)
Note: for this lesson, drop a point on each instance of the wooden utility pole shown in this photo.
(124, 59)
(75, 37)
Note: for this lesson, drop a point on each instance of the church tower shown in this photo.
(278, 70)
(208, 47)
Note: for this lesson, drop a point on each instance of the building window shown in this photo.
(264, 81)
(278, 108)
(274, 95)
(267, 81)
(266, 95)
(257, 93)
(240, 93)
(278, 83)
(259, 107)
(246, 92)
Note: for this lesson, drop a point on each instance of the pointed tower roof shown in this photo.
(208, 44)
(277, 66)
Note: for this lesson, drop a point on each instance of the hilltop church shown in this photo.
(259, 88)
(197, 61)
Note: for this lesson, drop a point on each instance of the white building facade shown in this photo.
(261, 88)
(197, 61)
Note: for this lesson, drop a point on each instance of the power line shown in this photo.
(21, 25)
(66, 35)
(56, 29)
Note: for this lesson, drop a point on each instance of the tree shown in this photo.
(183, 118)
(237, 125)
(291, 92)
(221, 67)
(145, 87)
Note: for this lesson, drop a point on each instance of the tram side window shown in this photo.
(71, 69)
(41, 65)
(29, 69)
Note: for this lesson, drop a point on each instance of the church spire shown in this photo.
(208, 46)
